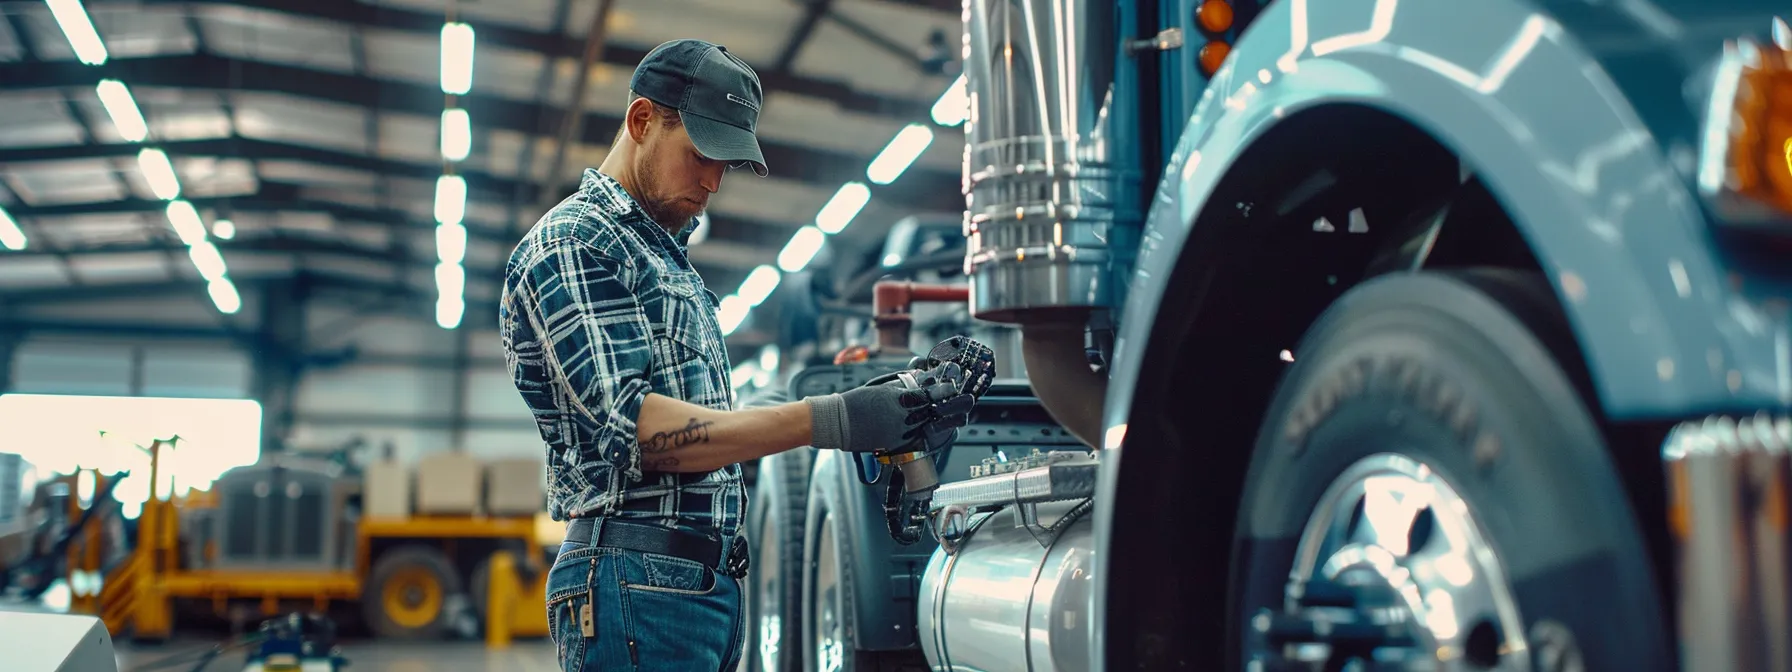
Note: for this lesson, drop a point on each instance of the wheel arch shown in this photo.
(1553, 178)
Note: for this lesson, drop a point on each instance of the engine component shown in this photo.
(1729, 481)
(1016, 595)
(1000, 463)
(1062, 475)
(1043, 175)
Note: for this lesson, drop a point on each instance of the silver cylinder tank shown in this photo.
(1010, 598)
(1044, 177)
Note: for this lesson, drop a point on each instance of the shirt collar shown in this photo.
(608, 194)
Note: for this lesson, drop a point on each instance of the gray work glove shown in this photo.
(915, 410)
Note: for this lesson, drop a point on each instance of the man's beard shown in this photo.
(669, 214)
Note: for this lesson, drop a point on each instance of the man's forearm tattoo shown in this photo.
(656, 446)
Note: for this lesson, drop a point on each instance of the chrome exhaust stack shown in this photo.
(1047, 186)
(1730, 489)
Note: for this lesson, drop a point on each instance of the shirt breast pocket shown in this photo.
(688, 335)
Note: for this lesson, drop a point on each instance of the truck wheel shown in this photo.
(828, 592)
(1429, 485)
(775, 586)
(406, 594)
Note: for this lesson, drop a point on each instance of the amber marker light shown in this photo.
(1745, 165)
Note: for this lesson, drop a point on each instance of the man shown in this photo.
(613, 342)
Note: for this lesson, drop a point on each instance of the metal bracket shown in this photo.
(1167, 39)
(950, 526)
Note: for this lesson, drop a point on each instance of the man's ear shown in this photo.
(639, 116)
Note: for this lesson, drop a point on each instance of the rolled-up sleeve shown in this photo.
(598, 350)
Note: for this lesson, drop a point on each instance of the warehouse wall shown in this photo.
(379, 377)
(64, 348)
(401, 386)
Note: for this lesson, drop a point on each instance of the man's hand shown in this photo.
(914, 408)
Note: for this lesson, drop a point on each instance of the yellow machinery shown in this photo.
(402, 571)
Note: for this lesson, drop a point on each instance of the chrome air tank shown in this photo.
(1046, 177)
(1013, 596)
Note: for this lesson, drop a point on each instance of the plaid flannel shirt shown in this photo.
(601, 307)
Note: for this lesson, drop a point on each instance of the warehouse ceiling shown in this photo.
(314, 128)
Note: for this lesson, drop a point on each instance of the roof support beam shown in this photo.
(278, 197)
(813, 10)
(544, 79)
(478, 182)
(573, 117)
(926, 188)
(560, 45)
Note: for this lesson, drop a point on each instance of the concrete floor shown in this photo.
(363, 656)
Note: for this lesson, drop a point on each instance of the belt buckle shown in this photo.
(738, 561)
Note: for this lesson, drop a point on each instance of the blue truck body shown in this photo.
(1582, 117)
(1102, 167)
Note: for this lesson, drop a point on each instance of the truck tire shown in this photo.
(830, 643)
(1426, 451)
(408, 592)
(775, 583)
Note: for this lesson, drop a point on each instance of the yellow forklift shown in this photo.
(286, 534)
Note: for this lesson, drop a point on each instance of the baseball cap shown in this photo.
(717, 96)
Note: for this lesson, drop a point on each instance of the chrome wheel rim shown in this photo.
(829, 630)
(1394, 551)
(767, 594)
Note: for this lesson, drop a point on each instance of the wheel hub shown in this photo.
(1392, 572)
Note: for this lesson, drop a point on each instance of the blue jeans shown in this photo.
(648, 611)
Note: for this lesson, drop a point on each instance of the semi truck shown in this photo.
(1389, 334)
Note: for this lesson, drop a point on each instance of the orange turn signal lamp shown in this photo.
(1214, 17)
(1745, 168)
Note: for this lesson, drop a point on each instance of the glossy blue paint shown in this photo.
(1528, 104)
(1582, 117)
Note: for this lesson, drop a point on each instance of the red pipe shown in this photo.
(890, 302)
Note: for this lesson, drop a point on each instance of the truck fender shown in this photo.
(1616, 228)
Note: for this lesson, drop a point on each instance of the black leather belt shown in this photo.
(698, 548)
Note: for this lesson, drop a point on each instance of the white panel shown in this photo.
(491, 396)
(145, 267)
(334, 326)
(752, 30)
(501, 443)
(193, 310)
(400, 391)
(485, 344)
(62, 367)
(32, 272)
(278, 37)
(221, 372)
(132, 32)
(37, 119)
(407, 442)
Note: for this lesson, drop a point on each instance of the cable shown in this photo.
(204, 657)
(862, 459)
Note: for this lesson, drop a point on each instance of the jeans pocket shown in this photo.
(569, 590)
(569, 638)
(666, 574)
(693, 627)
